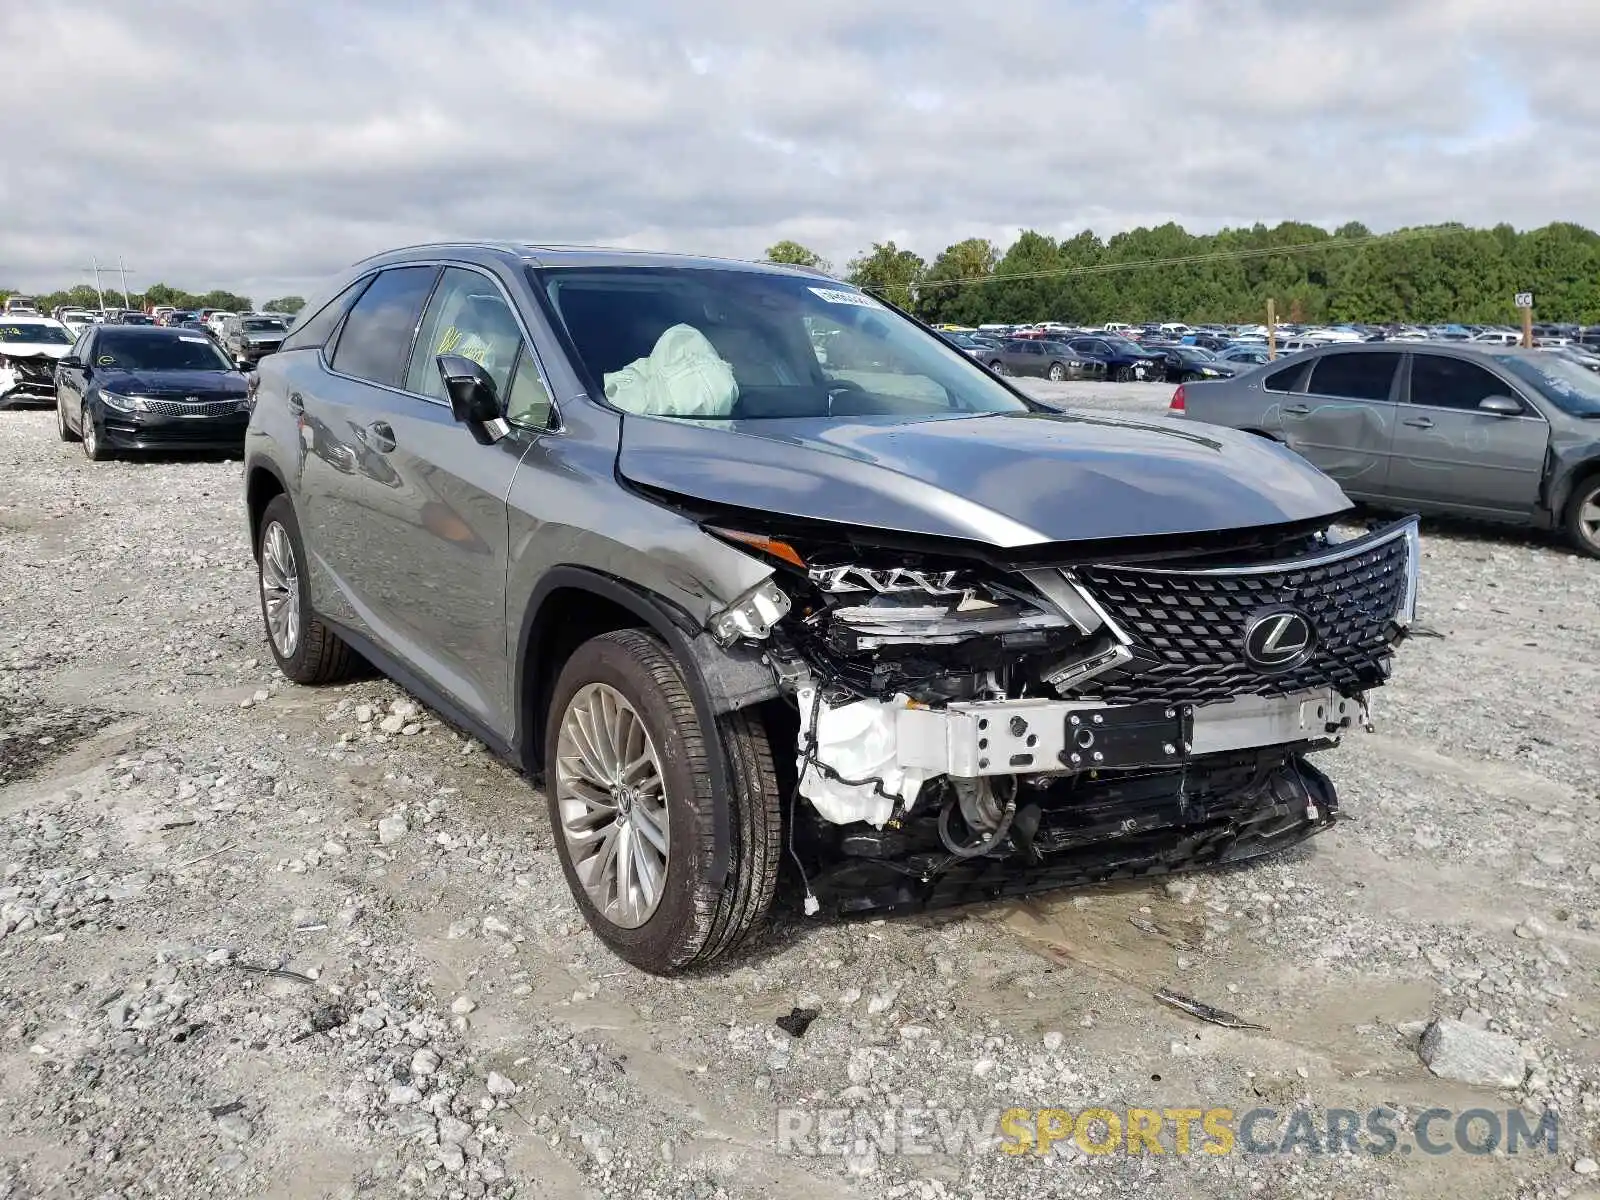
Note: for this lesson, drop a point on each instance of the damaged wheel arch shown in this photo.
(573, 604)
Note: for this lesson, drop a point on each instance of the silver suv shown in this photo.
(756, 573)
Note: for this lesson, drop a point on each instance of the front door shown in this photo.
(434, 504)
(1448, 451)
(1344, 421)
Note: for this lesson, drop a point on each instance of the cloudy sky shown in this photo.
(261, 146)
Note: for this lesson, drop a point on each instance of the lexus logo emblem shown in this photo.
(1278, 640)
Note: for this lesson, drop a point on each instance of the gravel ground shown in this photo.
(258, 939)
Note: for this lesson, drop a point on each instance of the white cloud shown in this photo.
(262, 147)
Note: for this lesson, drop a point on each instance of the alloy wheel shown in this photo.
(1057, 372)
(91, 436)
(613, 805)
(1589, 517)
(280, 590)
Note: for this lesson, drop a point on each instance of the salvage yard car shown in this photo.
(249, 338)
(1044, 359)
(147, 388)
(1478, 430)
(29, 349)
(881, 618)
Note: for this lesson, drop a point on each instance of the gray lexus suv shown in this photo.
(761, 577)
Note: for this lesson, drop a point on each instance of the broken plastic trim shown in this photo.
(752, 615)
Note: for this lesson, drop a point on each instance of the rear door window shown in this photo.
(1439, 381)
(1354, 376)
(375, 343)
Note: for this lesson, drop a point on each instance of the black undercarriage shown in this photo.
(1078, 831)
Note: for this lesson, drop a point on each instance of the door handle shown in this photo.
(1298, 410)
(1419, 423)
(380, 437)
(297, 403)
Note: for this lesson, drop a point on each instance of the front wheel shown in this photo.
(93, 448)
(632, 807)
(998, 367)
(1057, 373)
(1123, 375)
(1583, 517)
(62, 428)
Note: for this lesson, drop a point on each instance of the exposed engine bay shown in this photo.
(974, 729)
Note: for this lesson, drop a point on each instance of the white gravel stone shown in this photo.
(499, 1085)
(462, 1005)
(1456, 1050)
(391, 829)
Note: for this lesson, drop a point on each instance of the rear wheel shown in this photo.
(628, 782)
(1583, 516)
(306, 649)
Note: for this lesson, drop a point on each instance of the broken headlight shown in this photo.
(878, 608)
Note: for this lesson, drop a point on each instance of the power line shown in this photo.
(1185, 259)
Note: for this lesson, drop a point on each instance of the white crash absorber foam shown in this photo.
(857, 741)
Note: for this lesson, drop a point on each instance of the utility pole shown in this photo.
(1272, 329)
(95, 267)
(1524, 301)
(127, 303)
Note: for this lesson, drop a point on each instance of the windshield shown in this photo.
(1196, 354)
(265, 325)
(1571, 388)
(185, 352)
(37, 334)
(721, 344)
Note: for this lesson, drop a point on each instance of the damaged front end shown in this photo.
(969, 728)
(27, 378)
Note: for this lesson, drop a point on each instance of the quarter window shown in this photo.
(1289, 379)
(1441, 382)
(315, 330)
(377, 335)
(467, 316)
(529, 403)
(1354, 376)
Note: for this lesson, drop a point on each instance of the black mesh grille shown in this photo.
(1188, 629)
(180, 408)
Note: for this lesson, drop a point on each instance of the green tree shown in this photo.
(953, 286)
(285, 304)
(889, 272)
(796, 255)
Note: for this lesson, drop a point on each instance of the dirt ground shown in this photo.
(220, 976)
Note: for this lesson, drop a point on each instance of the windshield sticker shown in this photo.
(105, 360)
(839, 296)
(202, 341)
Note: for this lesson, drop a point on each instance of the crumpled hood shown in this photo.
(1012, 479)
(34, 350)
(169, 383)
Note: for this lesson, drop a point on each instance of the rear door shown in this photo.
(1031, 358)
(1448, 451)
(1344, 420)
(365, 361)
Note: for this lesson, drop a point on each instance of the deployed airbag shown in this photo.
(682, 377)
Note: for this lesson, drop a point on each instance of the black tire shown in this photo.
(320, 656)
(1058, 373)
(998, 367)
(89, 434)
(1122, 375)
(696, 921)
(62, 428)
(1584, 538)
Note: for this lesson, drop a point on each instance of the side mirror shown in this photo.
(473, 398)
(1500, 406)
(70, 361)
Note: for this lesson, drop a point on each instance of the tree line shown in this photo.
(1424, 275)
(83, 296)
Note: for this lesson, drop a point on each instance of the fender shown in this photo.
(254, 463)
(1569, 465)
(687, 643)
